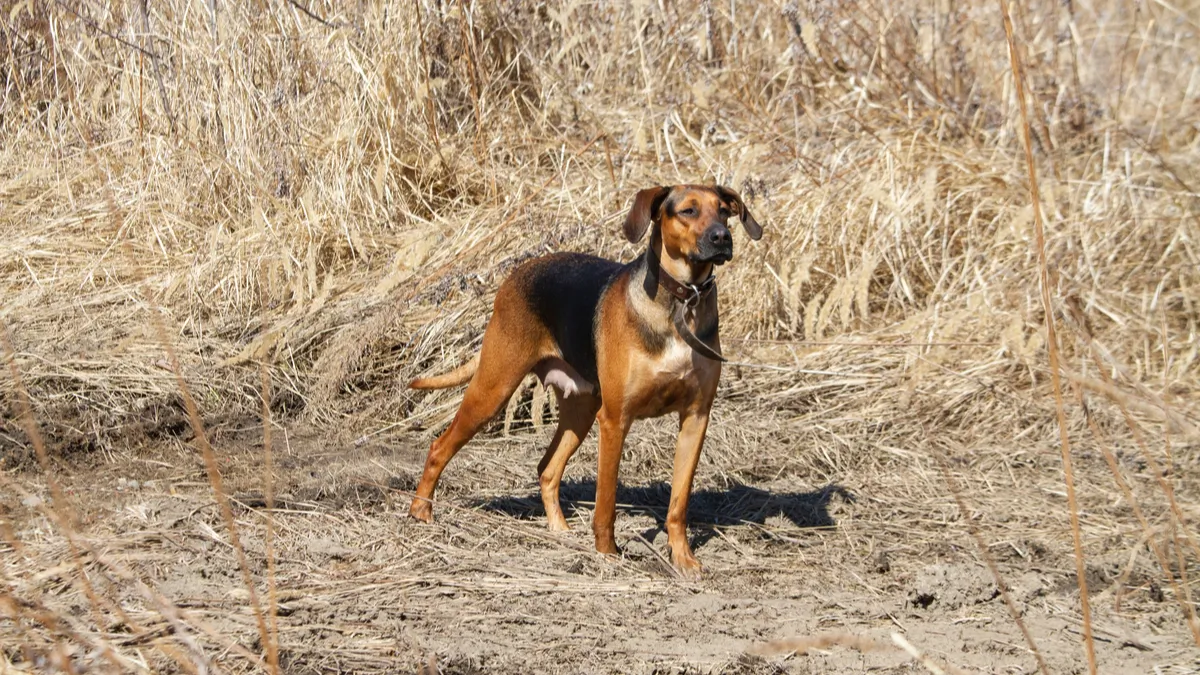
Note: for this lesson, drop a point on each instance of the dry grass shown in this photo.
(322, 197)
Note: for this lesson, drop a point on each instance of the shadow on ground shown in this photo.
(737, 505)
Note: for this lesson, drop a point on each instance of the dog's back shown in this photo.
(563, 290)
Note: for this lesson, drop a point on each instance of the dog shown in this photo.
(616, 342)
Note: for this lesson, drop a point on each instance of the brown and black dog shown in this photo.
(616, 342)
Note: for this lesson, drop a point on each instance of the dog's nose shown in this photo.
(719, 236)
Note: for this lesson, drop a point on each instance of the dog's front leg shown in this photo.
(614, 425)
(692, 427)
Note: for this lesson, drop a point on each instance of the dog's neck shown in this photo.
(659, 259)
(682, 302)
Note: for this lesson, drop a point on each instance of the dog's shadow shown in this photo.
(738, 505)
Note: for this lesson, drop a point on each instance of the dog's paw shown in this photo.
(687, 566)
(421, 510)
(607, 546)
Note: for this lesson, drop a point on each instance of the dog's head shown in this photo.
(693, 220)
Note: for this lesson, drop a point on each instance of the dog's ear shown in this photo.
(752, 227)
(645, 210)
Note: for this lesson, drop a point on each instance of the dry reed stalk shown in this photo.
(195, 422)
(467, 33)
(1051, 339)
(211, 468)
(989, 560)
(46, 616)
(60, 511)
(31, 610)
(923, 658)
(216, 75)
(430, 97)
(62, 515)
(1110, 390)
(214, 474)
(144, 12)
(803, 645)
(1182, 595)
(1160, 474)
(1130, 401)
(1168, 490)
(312, 15)
(272, 645)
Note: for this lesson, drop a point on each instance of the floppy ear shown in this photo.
(748, 222)
(645, 209)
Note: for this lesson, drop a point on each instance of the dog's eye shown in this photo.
(689, 211)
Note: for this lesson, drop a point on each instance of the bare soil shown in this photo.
(852, 554)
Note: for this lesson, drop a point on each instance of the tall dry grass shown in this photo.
(323, 165)
(332, 193)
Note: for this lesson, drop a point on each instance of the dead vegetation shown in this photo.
(332, 193)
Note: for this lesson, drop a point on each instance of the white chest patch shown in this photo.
(677, 360)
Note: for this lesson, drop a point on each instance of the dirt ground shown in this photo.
(790, 552)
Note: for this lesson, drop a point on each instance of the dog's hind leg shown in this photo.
(576, 414)
(506, 357)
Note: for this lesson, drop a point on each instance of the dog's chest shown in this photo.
(671, 380)
(678, 360)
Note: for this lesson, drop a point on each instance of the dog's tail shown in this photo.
(453, 378)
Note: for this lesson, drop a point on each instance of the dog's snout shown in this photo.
(719, 236)
(715, 245)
